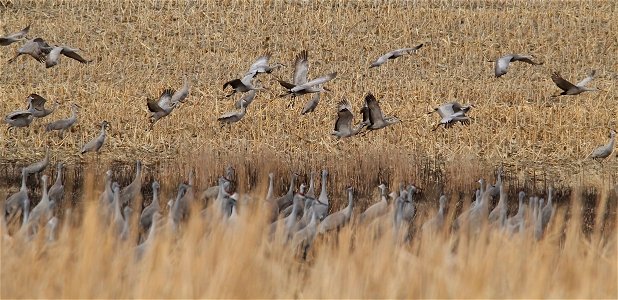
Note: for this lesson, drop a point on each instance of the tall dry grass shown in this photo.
(213, 259)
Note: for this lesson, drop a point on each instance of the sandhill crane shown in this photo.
(245, 100)
(501, 65)
(38, 166)
(515, 223)
(311, 104)
(394, 54)
(141, 249)
(338, 219)
(107, 196)
(436, 223)
(285, 200)
(321, 204)
(117, 218)
(498, 215)
(36, 105)
(451, 113)
(478, 214)
(52, 229)
(289, 222)
(538, 224)
(64, 124)
(37, 48)
(409, 207)
(234, 116)
(167, 102)
(571, 89)
(303, 239)
(269, 202)
(343, 125)
(14, 37)
(134, 189)
(548, 210)
(126, 213)
(477, 208)
(311, 191)
(376, 210)
(20, 118)
(56, 192)
(313, 86)
(96, 143)
(180, 209)
(145, 218)
(299, 205)
(604, 151)
(301, 68)
(242, 85)
(213, 191)
(54, 55)
(261, 65)
(41, 213)
(14, 202)
(222, 200)
(376, 118)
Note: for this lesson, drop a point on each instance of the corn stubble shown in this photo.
(516, 123)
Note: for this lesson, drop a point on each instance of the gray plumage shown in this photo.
(14, 202)
(63, 124)
(53, 57)
(409, 207)
(451, 113)
(311, 104)
(376, 210)
(14, 37)
(96, 143)
(167, 102)
(107, 196)
(146, 218)
(303, 239)
(604, 151)
(56, 192)
(242, 85)
(377, 119)
(134, 189)
(36, 105)
(338, 219)
(322, 205)
(38, 166)
(20, 118)
(394, 54)
(313, 86)
(436, 223)
(501, 65)
(233, 117)
(516, 223)
(42, 212)
(573, 89)
(37, 48)
(343, 125)
(245, 100)
(261, 65)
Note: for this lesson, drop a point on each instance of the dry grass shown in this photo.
(141, 47)
(212, 260)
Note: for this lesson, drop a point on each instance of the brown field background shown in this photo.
(140, 48)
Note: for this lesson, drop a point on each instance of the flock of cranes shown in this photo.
(248, 85)
(297, 217)
(300, 215)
